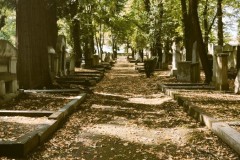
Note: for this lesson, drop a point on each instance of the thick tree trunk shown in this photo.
(200, 45)
(52, 29)
(32, 41)
(220, 22)
(187, 30)
(205, 24)
(75, 33)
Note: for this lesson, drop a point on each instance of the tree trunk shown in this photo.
(75, 33)
(52, 29)
(32, 66)
(205, 24)
(200, 45)
(187, 30)
(220, 22)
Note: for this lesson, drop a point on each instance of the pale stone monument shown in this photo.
(8, 68)
(217, 50)
(232, 55)
(176, 56)
(221, 72)
(237, 83)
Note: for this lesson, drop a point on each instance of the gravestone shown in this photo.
(221, 72)
(217, 50)
(61, 55)
(52, 61)
(69, 62)
(8, 66)
(95, 60)
(232, 55)
(189, 71)
(237, 83)
(176, 57)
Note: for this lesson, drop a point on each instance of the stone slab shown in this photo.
(188, 86)
(229, 135)
(22, 146)
(49, 90)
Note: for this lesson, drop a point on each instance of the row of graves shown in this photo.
(224, 61)
(215, 105)
(29, 117)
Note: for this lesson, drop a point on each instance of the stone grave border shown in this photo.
(222, 129)
(26, 143)
(86, 78)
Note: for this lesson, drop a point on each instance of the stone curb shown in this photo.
(23, 145)
(221, 129)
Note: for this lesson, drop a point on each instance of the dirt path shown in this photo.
(128, 118)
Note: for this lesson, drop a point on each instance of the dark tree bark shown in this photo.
(238, 57)
(147, 5)
(220, 22)
(156, 48)
(52, 29)
(187, 29)
(200, 45)
(75, 32)
(205, 24)
(2, 21)
(32, 67)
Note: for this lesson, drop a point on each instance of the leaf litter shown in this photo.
(115, 123)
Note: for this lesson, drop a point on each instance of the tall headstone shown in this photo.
(221, 72)
(8, 68)
(237, 79)
(231, 55)
(238, 57)
(176, 57)
(194, 53)
(61, 51)
(217, 50)
(237, 83)
(2, 88)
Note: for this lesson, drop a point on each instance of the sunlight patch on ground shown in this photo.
(150, 101)
(26, 120)
(110, 94)
(95, 106)
(141, 135)
(124, 75)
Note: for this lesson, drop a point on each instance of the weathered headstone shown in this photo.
(188, 72)
(194, 53)
(237, 83)
(231, 55)
(95, 60)
(217, 50)
(61, 51)
(8, 64)
(2, 88)
(221, 72)
(176, 57)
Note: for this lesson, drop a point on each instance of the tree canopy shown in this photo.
(142, 25)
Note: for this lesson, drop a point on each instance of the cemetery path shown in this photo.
(128, 118)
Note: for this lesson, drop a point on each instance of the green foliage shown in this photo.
(8, 31)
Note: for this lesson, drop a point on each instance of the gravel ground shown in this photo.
(128, 118)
